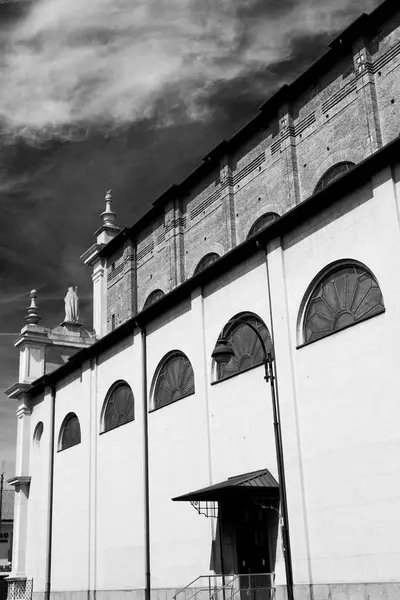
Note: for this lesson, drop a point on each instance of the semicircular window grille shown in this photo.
(347, 295)
(206, 261)
(120, 406)
(153, 297)
(245, 344)
(332, 174)
(262, 222)
(70, 432)
(175, 380)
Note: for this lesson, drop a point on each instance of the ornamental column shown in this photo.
(31, 344)
(21, 483)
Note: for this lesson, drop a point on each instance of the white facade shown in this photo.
(339, 410)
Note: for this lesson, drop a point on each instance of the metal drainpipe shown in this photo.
(146, 463)
(51, 494)
(281, 464)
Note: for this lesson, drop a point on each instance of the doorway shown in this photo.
(254, 525)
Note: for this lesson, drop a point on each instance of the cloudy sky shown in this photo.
(128, 95)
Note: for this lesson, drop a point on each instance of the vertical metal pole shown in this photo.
(1, 498)
(51, 494)
(221, 551)
(270, 376)
(146, 465)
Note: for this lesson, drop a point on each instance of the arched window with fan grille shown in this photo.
(153, 297)
(206, 261)
(332, 174)
(174, 380)
(119, 406)
(245, 344)
(70, 432)
(343, 295)
(263, 221)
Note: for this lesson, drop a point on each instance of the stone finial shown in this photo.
(108, 215)
(33, 317)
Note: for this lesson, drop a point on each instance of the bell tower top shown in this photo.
(92, 257)
(109, 229)
(108, 215)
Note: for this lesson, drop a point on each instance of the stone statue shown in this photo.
(71, 301)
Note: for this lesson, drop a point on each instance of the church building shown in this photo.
(229, 427)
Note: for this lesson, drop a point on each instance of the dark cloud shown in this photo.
(205, 76)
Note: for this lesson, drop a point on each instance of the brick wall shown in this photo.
(343, 114)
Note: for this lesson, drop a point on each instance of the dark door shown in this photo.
(252, 548)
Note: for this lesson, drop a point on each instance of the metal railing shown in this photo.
(202, 587)
(20, 589)
(240, 586)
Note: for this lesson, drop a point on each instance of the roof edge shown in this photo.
(316, 203)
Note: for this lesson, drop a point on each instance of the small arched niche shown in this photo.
(332, 174)
(152, 298)
(262, 222)
(205, 262)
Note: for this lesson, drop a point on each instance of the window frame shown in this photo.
(317, 280)
(318, 187)
(202, 265)
(274, 218)
(168, 357)
(230, 326)
(153, 297)
(68, 417)
(112, 389)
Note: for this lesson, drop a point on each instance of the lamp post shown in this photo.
(222, 354)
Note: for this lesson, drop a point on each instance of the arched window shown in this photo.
(37, 436)
(152, 298)
(262, 222)
(119, 406)
(346, 295)
(206, 261)
(332, 174)
(245, 344)
(70, 433)
(175, 380)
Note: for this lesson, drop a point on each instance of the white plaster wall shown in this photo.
(347, 396)
(120, 478)
(340, 414)
(241, 419)
(39, 463)
(70, 564)
(241, 410)
(178, 458)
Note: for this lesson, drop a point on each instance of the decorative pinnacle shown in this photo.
(33, 316)
(108, 215)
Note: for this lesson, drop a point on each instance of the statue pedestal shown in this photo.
(71, 325)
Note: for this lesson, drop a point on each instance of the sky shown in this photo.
(128, 95)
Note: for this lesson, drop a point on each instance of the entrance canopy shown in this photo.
(255, 484)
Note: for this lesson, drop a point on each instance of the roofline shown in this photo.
(359, 175)
(365, 24)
